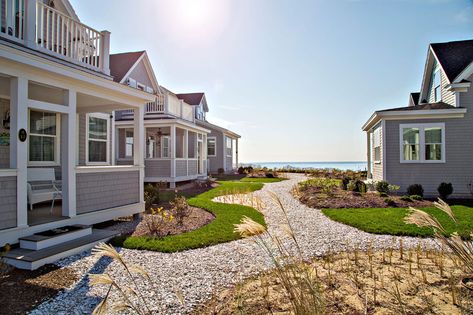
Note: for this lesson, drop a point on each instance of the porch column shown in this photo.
(236, 152)
(186, 150)
(68, 154)
(138, 145)
(113, 156)
(368, 153)
(18, 149)
(173, 155)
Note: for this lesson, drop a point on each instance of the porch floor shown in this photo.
(41, 213)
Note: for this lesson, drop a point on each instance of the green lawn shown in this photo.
(391, 220)
(218, 231)
(261, 180)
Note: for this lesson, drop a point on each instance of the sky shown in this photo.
(296, 79)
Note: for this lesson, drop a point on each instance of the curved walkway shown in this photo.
(197, 273)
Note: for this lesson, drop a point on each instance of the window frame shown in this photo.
(105, 117)
(422, 143)
(227, 148)
(132, 144)
(57, 143)
(168, 138)
(437, 74)
(215, 147)
(377, 129)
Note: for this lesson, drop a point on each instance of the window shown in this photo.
(97, 138)
(140, 86)
(376, 143)
(128, 143)
(423, 143)
(165, 151)
(43, 138)
(229, 146)
(436, 84)
(211, 146)
(132, 83)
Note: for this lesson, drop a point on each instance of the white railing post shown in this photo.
(105, 52)
(68, 155)
(138, 145)
(30, 23)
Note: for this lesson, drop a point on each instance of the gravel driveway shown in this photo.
(197, 273)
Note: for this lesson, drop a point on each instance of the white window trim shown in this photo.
(215, 140)
(379, 129)
(169, 147)
(421, 128)
(100, 116)
(57, 157)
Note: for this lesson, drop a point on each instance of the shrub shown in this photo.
(220, 171)
(180, 209)
(344, 182)
(415, 189)
(445, 190)
(157, 220)
(151, 196)
(390, 202)
(416, 197)
(382, 194)
(357, 185)
(406, 198)
(241, 170)
(269, 175)
(382, 187)
(326, 185)
(394, 188)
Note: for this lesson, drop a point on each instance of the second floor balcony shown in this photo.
(37, 26)
(165, 104)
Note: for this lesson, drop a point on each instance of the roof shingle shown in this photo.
(454, 56)
(191, 98)
(121, 63)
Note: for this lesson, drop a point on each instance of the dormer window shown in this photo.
(436, 82)
(140, 86)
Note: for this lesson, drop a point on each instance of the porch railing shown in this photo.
(158, 106)
(41, 27)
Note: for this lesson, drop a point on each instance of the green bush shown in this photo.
(416, 197)
(357, 185)
(445, 190)
(415, 189)
(220, 171)
(344, 182)
(326, 185)
(382, 187)
(151, 195)
(406, 198)
(383, 194)
(269, 175)
(390, 202)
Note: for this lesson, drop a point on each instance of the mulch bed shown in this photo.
(22, 290)
(314, 198)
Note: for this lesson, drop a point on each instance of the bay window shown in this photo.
(43, 138)
(211, 146)
(423, 143)
(98, 131)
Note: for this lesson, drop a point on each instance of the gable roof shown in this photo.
(454, 57)
(229, 133)
(191, 98)
(414, 98)
(120, 64)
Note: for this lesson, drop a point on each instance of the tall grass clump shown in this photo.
(462, 249)
(298, 278)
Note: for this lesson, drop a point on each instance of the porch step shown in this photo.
(33, 259)
(54, 237)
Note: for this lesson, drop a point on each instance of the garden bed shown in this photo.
(384, 282)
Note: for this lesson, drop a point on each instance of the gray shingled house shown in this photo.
(431, 140)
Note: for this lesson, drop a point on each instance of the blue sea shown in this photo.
(355, 166)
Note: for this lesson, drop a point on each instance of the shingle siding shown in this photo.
(193, 167)
(8, 202)
(99, 191)
(157, 168)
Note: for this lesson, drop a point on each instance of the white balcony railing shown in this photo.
(165, 104)
(43, 28)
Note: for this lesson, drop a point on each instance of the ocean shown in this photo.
(355, 166)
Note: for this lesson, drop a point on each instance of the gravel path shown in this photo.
(197, 273)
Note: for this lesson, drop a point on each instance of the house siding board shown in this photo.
(193, 167)
(157, 168)
(447, 96)
(100, 191)
(8, 212)
(181, 168)
(229, 163)
(141, 75)
(216, 162)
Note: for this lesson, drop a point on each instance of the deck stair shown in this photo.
(47, 247)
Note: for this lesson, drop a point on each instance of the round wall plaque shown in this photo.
(22, 135)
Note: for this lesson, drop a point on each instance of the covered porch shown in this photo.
(175, 151)
(56, 161)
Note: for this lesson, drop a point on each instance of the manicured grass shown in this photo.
(220, 230)
(261, 180)
(391, 220)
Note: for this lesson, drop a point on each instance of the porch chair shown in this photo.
(43, 186)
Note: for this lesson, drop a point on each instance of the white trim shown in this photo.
(57, 144)
(422, 144)
(8, 172)
(465, 74)
(159, 123)
(107, 169)
(215, 139)
(48, 107)
(105, 117)
(383, 130)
